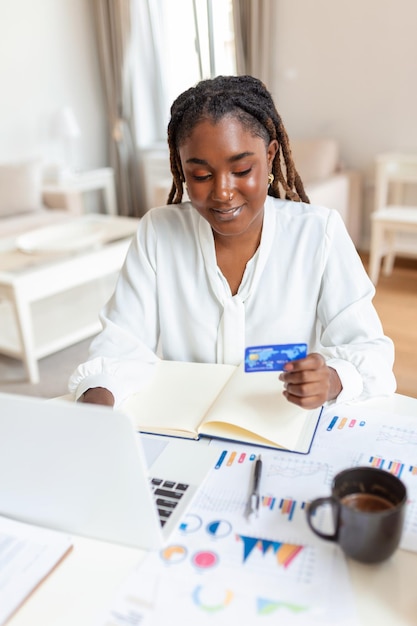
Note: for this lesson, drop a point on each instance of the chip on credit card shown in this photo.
(273, 358)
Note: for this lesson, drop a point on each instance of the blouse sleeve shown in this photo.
(352, 339)
(122, 356)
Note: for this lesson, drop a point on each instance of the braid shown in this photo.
(248, 100)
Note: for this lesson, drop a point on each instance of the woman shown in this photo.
(237, 266)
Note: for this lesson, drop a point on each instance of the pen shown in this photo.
(253, 502)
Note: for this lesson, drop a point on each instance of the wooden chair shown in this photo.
(394, 220)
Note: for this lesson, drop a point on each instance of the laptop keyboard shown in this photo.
(167, 494)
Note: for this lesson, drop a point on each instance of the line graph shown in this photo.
(398, 436)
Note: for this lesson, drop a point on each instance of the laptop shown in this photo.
(81, 468)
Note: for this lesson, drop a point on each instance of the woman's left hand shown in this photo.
(309, 382)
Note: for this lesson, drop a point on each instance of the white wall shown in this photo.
(344, 68)
(347, 69)
(47, 60)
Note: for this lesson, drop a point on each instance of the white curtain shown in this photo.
(114, 32)
(254, 32)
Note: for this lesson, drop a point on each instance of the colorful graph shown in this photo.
(394, 467)
(205, 559)
(268, 502)
(231, 458)
(413, 470)
(219, 528)
(285, 552)
(341, 422)
(288, 506)
(173, 554)
(266, 607)
(211, 600)
(191, 523)
(377, 461)
(227, 459)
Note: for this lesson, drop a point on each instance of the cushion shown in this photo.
(315, 159)
(20, 187)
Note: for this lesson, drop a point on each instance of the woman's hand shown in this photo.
(98, 395)
(309, 382)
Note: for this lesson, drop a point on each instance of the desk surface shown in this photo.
(81, 585)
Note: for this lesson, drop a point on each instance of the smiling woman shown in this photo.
(246, 262)
(226, 171)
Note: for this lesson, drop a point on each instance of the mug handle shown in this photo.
(312, 508)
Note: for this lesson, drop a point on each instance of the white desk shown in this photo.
(81, 586)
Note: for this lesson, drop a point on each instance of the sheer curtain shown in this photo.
(114, 34)
(254, 36)
(178, 43)
(150, 51)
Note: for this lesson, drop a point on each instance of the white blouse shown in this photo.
(306, 283)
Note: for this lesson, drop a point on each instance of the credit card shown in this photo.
(273, 358)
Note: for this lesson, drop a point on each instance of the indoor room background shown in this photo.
(344, 70)
(341, 69)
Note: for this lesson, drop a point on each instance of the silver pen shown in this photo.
(253, 501)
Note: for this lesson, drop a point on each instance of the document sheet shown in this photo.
(27, 555)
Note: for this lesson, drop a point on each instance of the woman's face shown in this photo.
(226, 171)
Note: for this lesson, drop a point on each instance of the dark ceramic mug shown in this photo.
(368, 510)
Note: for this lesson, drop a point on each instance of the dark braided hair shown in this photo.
(246, 99)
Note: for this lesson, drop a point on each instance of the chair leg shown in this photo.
(376, 251)
(390, 257)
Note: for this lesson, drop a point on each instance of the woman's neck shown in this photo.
(233, 254)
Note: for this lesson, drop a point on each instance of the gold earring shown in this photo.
(270, 179)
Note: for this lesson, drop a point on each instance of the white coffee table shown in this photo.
(53, 286)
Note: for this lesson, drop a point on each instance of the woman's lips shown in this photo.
(227, 214)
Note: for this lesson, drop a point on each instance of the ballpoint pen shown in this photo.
(253, 501)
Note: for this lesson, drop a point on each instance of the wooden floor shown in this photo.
(396, 303)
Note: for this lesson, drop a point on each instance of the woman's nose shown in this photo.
(222, 190)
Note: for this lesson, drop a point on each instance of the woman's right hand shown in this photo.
(98, 395)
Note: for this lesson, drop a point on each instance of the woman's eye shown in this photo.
(243, 172)
(201, 177)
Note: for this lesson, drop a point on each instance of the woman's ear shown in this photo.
(271, 152)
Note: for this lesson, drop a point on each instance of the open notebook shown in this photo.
(206, 399)
(81, 469)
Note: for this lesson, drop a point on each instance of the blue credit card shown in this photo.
(273, 358)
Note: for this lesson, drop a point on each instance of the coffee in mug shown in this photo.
(367, 502)
(368, 510)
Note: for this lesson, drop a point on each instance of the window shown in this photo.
(179, 43)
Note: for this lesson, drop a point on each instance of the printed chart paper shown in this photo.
(220, 568)
(349, 436)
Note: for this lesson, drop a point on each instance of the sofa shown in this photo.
(327, 182)
(23, 206)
